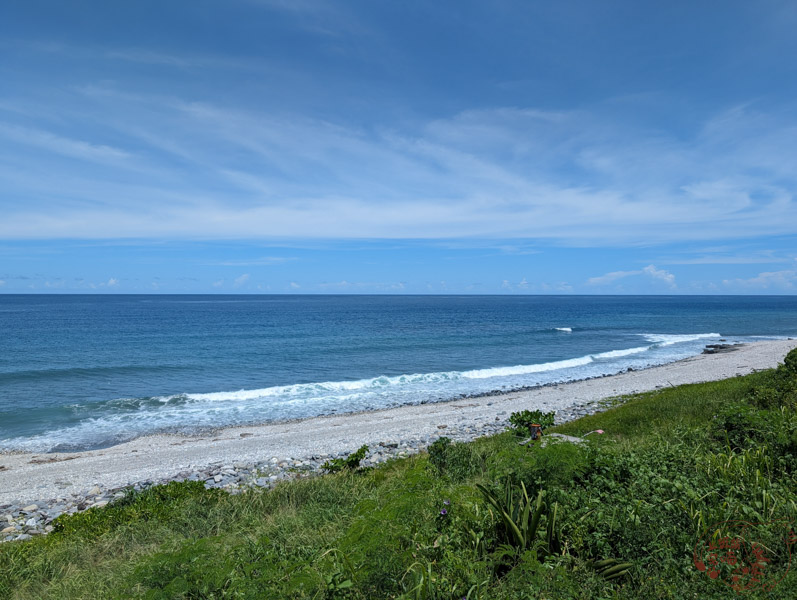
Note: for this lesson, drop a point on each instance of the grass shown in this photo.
(618, 517)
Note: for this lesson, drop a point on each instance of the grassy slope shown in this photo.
(643, 492)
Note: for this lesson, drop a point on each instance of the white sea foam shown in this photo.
(667, 339)
(565, 329)
(527, 369)
(129, 418)
(327, 387)
(386, 383)
(621, 353)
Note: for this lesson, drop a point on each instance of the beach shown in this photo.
(261, 455)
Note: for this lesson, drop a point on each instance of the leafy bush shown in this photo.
(555, 464)
(523, 420)
(350, 463)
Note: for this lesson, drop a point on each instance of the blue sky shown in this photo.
(308, 146)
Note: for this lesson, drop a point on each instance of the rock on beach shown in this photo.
(33, 494)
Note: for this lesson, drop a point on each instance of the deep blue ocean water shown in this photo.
(80, 372)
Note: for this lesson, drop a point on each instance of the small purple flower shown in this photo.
(446, 502)
(444, 512)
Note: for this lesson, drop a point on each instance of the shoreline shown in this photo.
(206, 431)
(237, 457)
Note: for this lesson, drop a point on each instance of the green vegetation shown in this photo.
(522, 421)
(350, 463)
(617, 517)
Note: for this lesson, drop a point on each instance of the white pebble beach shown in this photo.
(31, 477)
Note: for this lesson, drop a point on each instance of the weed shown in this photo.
(457, 461)
(350, 463)
(671, 465)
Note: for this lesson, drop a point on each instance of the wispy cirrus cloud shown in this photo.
(57, 144)
(726, 260)
(565, 176)
(151, 57)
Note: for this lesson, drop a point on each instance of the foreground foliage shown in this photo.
(617, 517)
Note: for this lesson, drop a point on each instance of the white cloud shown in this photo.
(294, 285)
(319, 17)
(150, 57)
(771, 280)
(523, 285)
(611, 277)
(561, 286)
(112, 282)
(218, 284)
(255, 262)
(241, 280)
(660, 274)
(61, 145)
(726, 260)
(336, 285)
(363, 286)
(2, 282)
(578, 176)
(650, 271)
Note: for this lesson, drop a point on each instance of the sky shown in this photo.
(365, 146)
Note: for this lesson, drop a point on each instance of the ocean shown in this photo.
(81, 372)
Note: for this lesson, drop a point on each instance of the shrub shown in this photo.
(438, 451)
(779, 387)
(523, 420)
(743, 426)
(790, 362)
(350, 463)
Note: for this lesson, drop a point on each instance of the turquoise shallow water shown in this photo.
(79, 372)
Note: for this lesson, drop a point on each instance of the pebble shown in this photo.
(36, 519)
